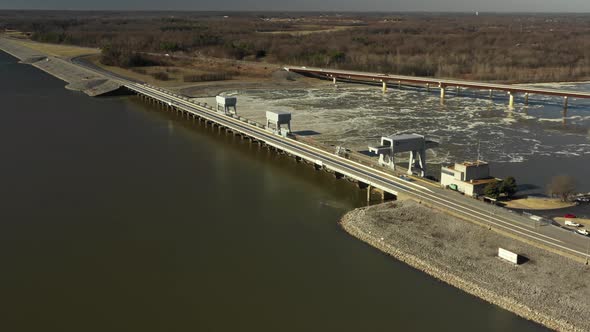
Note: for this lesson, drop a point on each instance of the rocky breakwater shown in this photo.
(79, 78)
(548, 289)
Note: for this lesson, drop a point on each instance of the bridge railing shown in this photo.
(353, 156)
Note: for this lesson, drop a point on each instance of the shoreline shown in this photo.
(414, 255)
(78, 79)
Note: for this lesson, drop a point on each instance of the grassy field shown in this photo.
(58, 50)
(175, 73)
(530, 203)
(309, 30)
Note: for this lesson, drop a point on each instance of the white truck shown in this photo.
(571, 223)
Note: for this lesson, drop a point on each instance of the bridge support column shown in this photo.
(442, 94)
(399, 84)
(369, 193)
(334, 80)
(510, 100)
(384, 86)
(526, 99)
(458, 90)
(491, 93)
(565, 106)
(427, 87)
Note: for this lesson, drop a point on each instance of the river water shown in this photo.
(116, 216)
(532, 143)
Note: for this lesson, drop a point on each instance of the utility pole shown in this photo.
(478, 152)
(492, 202)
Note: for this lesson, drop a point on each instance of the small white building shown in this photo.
(227, 104)
(274, 120)
(469, 178)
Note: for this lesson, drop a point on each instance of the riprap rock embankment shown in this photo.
(548, 289)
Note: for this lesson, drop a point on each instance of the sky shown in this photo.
(575, 6)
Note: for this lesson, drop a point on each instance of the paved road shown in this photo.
(377, 77)
(496, 217)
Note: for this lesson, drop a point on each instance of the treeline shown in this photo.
(532, 48)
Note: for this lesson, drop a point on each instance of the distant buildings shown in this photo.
(469, 178)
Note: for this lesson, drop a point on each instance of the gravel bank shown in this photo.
(79, 79)
(548, 289)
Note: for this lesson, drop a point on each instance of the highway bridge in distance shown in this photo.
(431, 194)
(438, 83)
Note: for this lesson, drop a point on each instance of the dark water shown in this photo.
(117, 217)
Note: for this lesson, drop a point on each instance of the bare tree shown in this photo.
(561, 186)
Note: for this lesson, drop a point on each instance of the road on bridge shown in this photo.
(435, 82)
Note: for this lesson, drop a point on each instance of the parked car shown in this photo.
(571, 223)
(569, 216)
(582, 231)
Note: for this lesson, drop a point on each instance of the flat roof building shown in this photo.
(469, 178)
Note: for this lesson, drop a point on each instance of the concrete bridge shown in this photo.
(442, 84)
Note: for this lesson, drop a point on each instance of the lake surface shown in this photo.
(116, 216)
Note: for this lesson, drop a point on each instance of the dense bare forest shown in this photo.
(486, 47)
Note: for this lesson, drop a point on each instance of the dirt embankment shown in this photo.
(79, 79)
(548, 289)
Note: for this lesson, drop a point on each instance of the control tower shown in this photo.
(413, 143)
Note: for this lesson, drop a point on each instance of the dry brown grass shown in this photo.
(310, 30)
(180, 68)
(58, 50)
(530, 203)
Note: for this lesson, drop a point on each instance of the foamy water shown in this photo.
(355, 116)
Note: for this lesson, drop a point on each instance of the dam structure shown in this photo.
(365, 172)
(369, 176)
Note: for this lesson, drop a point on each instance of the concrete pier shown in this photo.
(384, 86)
(510, 100)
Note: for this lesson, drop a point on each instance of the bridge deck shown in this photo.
(377, 77)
